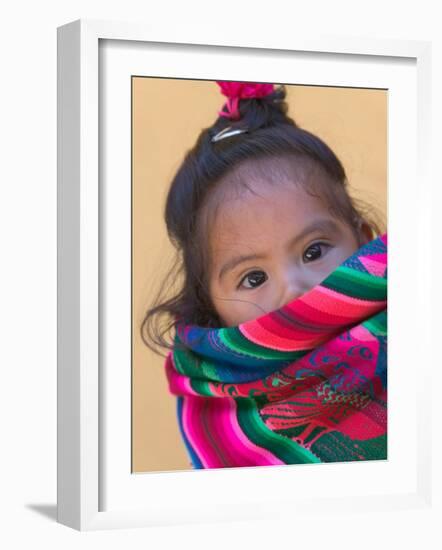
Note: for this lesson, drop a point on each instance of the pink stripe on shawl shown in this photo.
(223, 424)
(216, 454)
(216, 420)
(374, 267)
(237, 440)
(179, 384)
(191, 415)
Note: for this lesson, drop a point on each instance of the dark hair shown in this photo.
(190, 203)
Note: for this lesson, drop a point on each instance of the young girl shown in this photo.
(278, 354)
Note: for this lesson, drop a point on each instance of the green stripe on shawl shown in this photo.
(194, 367)
(254, 428)
(337, 447)
(357, 284)
(377, 324)
(201, 387)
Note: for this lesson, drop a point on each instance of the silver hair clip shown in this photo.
(228, 132)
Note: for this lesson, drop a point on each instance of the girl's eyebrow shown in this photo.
(236, 260)
(326, 225)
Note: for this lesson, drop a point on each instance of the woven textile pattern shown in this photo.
(301, 384)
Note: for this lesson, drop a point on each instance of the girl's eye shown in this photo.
(313, 252)
(255, 279)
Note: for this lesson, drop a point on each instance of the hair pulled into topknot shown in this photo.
(258, 112)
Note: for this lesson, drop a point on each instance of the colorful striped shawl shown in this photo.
(304, 383)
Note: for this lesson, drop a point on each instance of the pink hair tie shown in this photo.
(235, 91)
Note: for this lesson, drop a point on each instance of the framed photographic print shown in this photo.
(352, 119)
(178, 159)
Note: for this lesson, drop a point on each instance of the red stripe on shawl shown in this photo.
(362, 426)
(273, 336)
(325, 299)
(275, 332)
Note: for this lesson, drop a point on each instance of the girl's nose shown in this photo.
(291, 291)
(293, 287)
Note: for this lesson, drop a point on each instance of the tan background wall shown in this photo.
(167, 116)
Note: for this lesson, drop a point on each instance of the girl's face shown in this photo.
(271, 247)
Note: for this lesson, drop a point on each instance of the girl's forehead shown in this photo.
(285, 202)
(261, 176)
(275, 169)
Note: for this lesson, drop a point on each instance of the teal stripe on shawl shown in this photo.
(377, 324)
(357, 284)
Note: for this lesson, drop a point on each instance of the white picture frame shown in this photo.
(95, 488)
